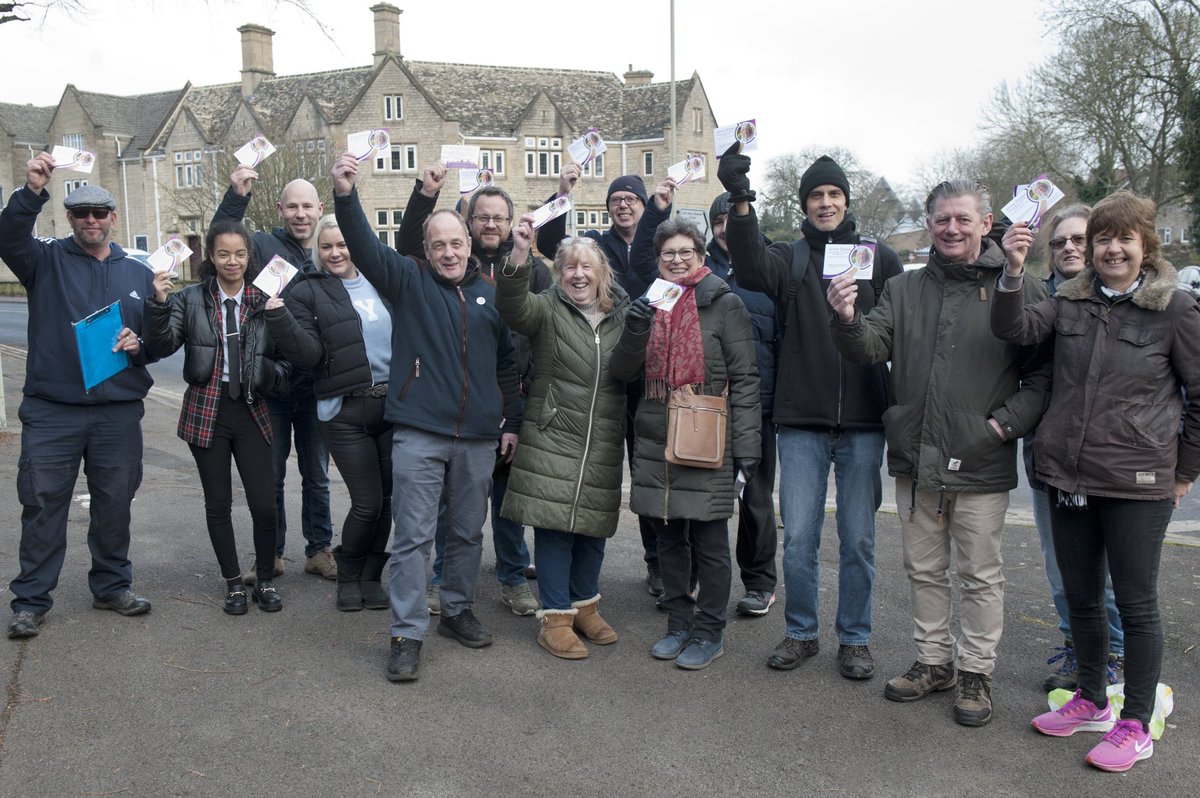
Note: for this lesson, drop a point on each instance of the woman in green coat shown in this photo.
(566, 478)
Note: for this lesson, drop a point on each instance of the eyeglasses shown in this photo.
(95, 213)
(486, 220)
(617, 202)
(667, 256)
(1078, 240)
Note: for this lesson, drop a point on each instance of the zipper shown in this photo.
(462, 405)
(666, 487)
(413, 374)
(587, 443)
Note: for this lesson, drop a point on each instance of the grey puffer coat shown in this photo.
(950, 375)
(1112, 428)
(664, 490)
(567, 472)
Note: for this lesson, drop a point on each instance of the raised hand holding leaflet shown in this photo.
(168, 257)
(274, 276)
(1031, 201)
(744, 132)
(365, 143)
(690, 168)
(551, 210)
(73, 159)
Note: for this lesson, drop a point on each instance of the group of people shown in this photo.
(458, 368)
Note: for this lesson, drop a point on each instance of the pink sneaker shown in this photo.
(1076, 715)
(1122, 747)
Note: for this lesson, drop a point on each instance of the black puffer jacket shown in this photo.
(321, 330)
(663, 490)
(189, 319)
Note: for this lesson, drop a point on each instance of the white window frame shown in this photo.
(389, 228)
(1166, 236)
(393, 107)
(647, 162)
(1183, 231)
(71, 185)
(594, 167)
(141, 242)
(74, 140)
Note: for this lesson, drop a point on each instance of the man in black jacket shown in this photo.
(299, 209)
(827, 410)
(489, 215)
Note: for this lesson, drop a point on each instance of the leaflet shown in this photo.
(73, 159)
(365, 143)
(744, 132)
(1031, 201)
(841, 258)
(275, 276)
(690, 168)
(551, 210)
(255, 151)
(168, 257)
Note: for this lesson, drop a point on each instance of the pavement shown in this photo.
(187, 701)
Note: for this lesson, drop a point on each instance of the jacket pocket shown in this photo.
(902, 428)
(549, 408)
(971, 440)
(1152, 425)
(414, 373)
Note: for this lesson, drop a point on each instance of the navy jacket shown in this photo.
(66, 284)
(453, 367)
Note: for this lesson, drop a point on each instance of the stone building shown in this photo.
(166, 156)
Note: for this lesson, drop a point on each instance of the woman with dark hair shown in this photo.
(566, 479)
(703, 344)
(220, 323)
(1125, 342)
(336, 324)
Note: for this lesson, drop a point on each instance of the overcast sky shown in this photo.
(893, 81)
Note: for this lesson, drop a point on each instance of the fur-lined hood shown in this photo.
(1160, 280)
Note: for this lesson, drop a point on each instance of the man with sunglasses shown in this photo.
(489, 216)
(62, 422)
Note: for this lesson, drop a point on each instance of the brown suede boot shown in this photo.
(557, 636)
(590, 624)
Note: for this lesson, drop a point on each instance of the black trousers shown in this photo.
(682, 543)
(757, 535)
(237, 437)
(360, 441)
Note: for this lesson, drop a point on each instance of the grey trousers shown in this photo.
(423, 464)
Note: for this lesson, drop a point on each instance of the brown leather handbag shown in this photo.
(696, 428)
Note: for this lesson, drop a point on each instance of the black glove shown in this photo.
(746, 464)
(733, 172)
(640, 316)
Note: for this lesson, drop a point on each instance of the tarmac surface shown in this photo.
(187, 701)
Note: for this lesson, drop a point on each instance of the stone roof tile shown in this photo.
(28, 124)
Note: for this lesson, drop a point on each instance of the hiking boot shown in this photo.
(1076, 715)
(855, 662)
(755, 603)
(519, 598)
(466, 629)
(403, 660)
(920, 681)
(791, 652)
(251, 576)
(699, 654)
(321, 564)
(433, 599)
(654, 582)
(1066, 675)
(25, 624)
(1127, 744)
(125, 603)
(973, 699)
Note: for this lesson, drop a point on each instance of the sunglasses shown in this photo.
(1077, 240)
(95, 213)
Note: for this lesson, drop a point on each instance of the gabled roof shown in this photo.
(27, 124)
(275, 100)
(646, 110)
(214, 107)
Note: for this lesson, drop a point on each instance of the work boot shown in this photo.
(589, 623)
(973, 699)
(557, 636)
(321, 564)
(373, 594)
(920, 681)
(349, 572)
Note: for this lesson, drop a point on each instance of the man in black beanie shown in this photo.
(827, 409)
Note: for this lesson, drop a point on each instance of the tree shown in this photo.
(25, 10)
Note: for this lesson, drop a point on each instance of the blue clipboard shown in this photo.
(96, 336)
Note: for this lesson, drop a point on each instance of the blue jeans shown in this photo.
(804, 460)
(508, 538)
(298, 414)
(1041, 517)
(568, 567)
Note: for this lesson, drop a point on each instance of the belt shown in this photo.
(375, 391)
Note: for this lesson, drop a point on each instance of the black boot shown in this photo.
(373, 595)
(349, 572)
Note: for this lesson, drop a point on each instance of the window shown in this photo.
(400, 158)
(1183, 231)
(594, 167)
(604, 218)
(393, 107)
(492, 159)
(188, 167)
(530, 142)
(1165, 235)
(73, 140)
(545, 160)
(312, 158)
(387, 224)
(593, 218)
(71, 185)
(697, 121)
(648, 162)
(141, 242)
(580, 218)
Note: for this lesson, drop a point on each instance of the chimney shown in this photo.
(641, 77)
(387, 31)
(257, 58)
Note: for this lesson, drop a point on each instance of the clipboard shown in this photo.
(95, 336)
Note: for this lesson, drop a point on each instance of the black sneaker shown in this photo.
(654, 579)
(466, 629)
(125, 603)
(1066, 674)
(855, 662)
(756, 603)
(404, 660)
(790, 653)
(25, 624)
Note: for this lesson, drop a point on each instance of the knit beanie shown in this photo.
(823, 172)
(719, 206)
(631, 183)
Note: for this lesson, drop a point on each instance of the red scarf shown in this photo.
(675, 353)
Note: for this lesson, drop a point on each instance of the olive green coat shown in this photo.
(663, 490)
(567, 472)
